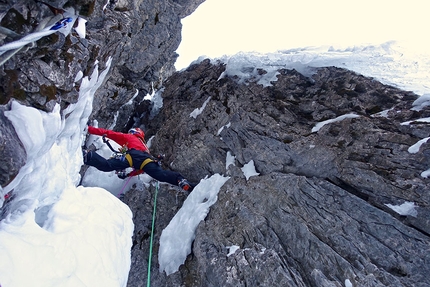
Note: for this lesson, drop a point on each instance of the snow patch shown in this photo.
(383, 114)
(426, 174)
(417, 121)
(229, 160)
(249, 170)
(319, 125)
(81, 27)
(78, 76)
(232, 249)
(222, 128)
(407, 208)
(177, 237)
(198, 111)
(421, 102)
(416, 147)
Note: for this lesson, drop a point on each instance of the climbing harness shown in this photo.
(152, 235)
(142, 165)
(118, 155)
(125, 154)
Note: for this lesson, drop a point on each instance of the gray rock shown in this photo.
(317, 214)
(12, 147)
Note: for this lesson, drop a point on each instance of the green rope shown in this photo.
(152, 236)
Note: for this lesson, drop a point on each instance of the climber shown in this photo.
(133, 153)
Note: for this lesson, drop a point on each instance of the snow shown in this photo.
(177, 237)
(319, 125)
(249, 170)
(222, 128)
(407, 208)
(229, 160)
(79, 245)
(232, 249)
(383, 114)
(422, 120)
(58, 233)
(78, 76)
(426, 173)
(416, 147)
(80, 28)
(157, 101)
(386, 62)
(246, 67)
(421, 102)
(198, 111)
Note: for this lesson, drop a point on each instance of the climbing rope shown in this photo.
(122, 189)
(33, 37)
(152, 235)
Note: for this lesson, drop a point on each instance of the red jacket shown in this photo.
(128, 140)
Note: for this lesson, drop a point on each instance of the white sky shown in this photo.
(225, 27)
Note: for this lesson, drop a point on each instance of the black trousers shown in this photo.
(153, 169)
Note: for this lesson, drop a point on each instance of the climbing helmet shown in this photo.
(138, 132)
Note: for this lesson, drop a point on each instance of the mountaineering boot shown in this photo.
(86, 152)
(185, 185)
(8, 197)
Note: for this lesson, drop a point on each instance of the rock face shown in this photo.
(16, 155)
(140, 36)
(317, 214)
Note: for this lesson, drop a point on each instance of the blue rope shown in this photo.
(152, 236)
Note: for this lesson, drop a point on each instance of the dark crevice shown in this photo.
(345, 186)
(352, 190)
(157, 19)
(291, 261)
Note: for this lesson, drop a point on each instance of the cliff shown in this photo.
(317, 214)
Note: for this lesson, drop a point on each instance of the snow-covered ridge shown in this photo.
(390, 63)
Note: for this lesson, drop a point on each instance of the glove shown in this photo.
(160, 157)
(122, 175)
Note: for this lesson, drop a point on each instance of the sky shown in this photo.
(225, 27)
(51, 236)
